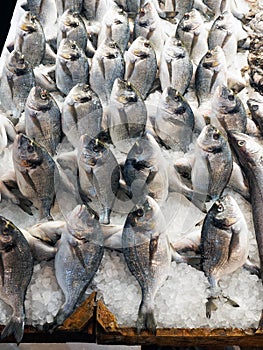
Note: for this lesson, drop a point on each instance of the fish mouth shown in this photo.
(140, 53)
(27, 27)
(70, 56)
(210, 64)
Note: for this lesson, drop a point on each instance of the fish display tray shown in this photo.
(93, 322)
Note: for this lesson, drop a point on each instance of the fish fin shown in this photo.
(210, 306)
(28, 180)
(129, 69)
(253, 269)
(177, 257)
(194, 42)
(65, 69)
(16, 327)
(78, 252)
(10, 47)
(105, 216)
(2, 271)
(11, 86)
(146, 320)
(230, 301)
(153, 245)
(214, 77)
(35, 120)
(102, 68)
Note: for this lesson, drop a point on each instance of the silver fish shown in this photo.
(16, 271)
(147, 253)
(211, 72)
(115, 26)
(63, 5)
(128, 114)
(176, 68)
(174, 122)
(222, 33)
(81, 113)
(191, 31)
(72, 66)
(229, 109)
(16, 83)
(216, 7)
(145, 171)
(129, 6)
(182, 6)
(224, 243)
(107, 65)
(34, 169)
(255, 105)
(43, 119)
(141, 65)
(213, 163)
(72, 27)
(78, 258)
(29, 33)
(99, 175)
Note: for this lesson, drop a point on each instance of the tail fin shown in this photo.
(146, 319)
(16, 327)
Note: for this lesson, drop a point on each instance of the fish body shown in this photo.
(99, 175)
(115, 26)
(222, 33)
(224, 242)
(34, 169)
(192, 33)
(30, 33)
(16, 272)
(145, 171)
(128, 114)
(213, 162)
(211, 72)
(176, 68)
(78, 257)
(63, 5)
(141, 65)
(229, 109)
(72, 66)
(43, 119)
(81, 113)
(107, 65)
(174, 121)
(16, 83)
(72, 27)
(147, 253)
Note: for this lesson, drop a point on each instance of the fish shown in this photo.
(29, 32)
(216, 8)
(229, 110)
(115, 26)
(145, 171)
(147, 24)
(107, 65)
(34, 169)
(131, 7)
(255, 105)
(43, 119)
(63, 5)
(224, 244)
(16, 273)
(174, 122)
(128, 115)
(147, 254)
(192, 33)
(78, 258)
(81, 113)
(141, 65)
(72, 27)
(222, 33)
(210, 73)
(182, 7)
(72, 66)
(99, 176)
(17, 80)
(213, 163)
(176, 68)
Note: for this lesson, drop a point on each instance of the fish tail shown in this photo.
(16, 327)
(146, 319)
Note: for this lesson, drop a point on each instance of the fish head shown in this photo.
(173, 101)
(141, 48)
(214, 58)
(146, 14)
(256, 107)
(29, 23)
(211, 139)
(174, 48)
(225, 212)
(111, 50)
(144, 214)
(39, 99)
(70, 19)
(145, 150)
(224, 21)
(248, 150)
(8, 234)
(68, 50)
(81, 222)
(17, 63)
(27, 152)
(224, 99)
(91, 152)
(125, 92)
(82, 93)
(190, 21)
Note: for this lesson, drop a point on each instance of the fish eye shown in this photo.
(241, 143)
(140, 212)
(231, 97)
(117, 21)
(186, 16)
(85, 89)
(179, 43)
(216, 135)
(147, 44)
(30, 149)
(220, 208)
(43, 95)
(255, 108)
(21, 60)
(186, 175)
(73, 46)
(208, 54)
(220, 18)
